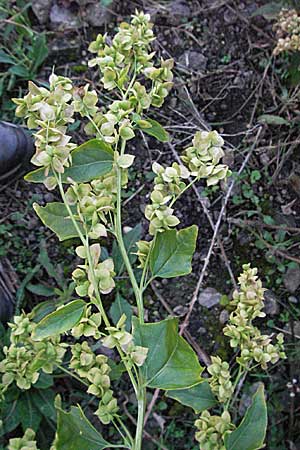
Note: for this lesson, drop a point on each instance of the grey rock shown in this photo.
(63, 18)
(202, 330)
(179, 10)
(97, 15)
(271, 303)
(246, 398)
(49, 197)
(41, 9)
(295, 330)
(293, 299)
(180, 310)
(224, 316)
(193, 60)
(291, 279)
(209, 297)
(230, 17)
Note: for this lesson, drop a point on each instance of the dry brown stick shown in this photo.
(280, 165)
(213, 240)
(201, 121)
(151, 405)
(219, 242)
(255, 223)
(261, 84)
(280, 252)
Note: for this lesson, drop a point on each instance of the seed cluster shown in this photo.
(248, 303)
(93, 271)
(287, 31)
(26, 442)
(95, 370)
(201, 161)
(24, 357)
(220, 380)
(212, 430)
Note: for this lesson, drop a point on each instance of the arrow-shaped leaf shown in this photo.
(171, 362)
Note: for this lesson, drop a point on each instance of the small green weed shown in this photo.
(22, 51)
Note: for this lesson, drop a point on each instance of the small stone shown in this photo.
(180, 310)
(291, 279)
(271, 303)
(41, 9)
(32, 223)
(202, 330)
(63, 18)
(295, 330)
(49, 197)
(209, 297)
(193, 60)
(180, 11)
(293, 299)
(224, 316)
(264, 158)
(228, 158)
(230, 17)
(97, 15)
(247, 398)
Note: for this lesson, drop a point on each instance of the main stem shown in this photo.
(141, 392)
(141, 398)
(119, 235)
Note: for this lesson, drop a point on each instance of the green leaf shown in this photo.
(5, 58)
(270, 10)
(43, 309)
(45, 261)
(40, 289)
(59, 321)
(198, 397)
(172, 253)
(56, 217)
(90, 160)
(251, 432)
(130, 240)
(20, 70)
(39, 51)
(156, 131)
(116, 370)
(269, 119)
(121, 306)
(29, 413)
(171, 363)
(74, 431)
(44, 402)
(45, 381)
(10, 416)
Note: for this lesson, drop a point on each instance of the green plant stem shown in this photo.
(183, 190)
(119, 431)
(127, 432)
(240, 373)
(141, 392)
(71, 374)
(131, 82)
(141, 398)
(119, 236)
(93, 123)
